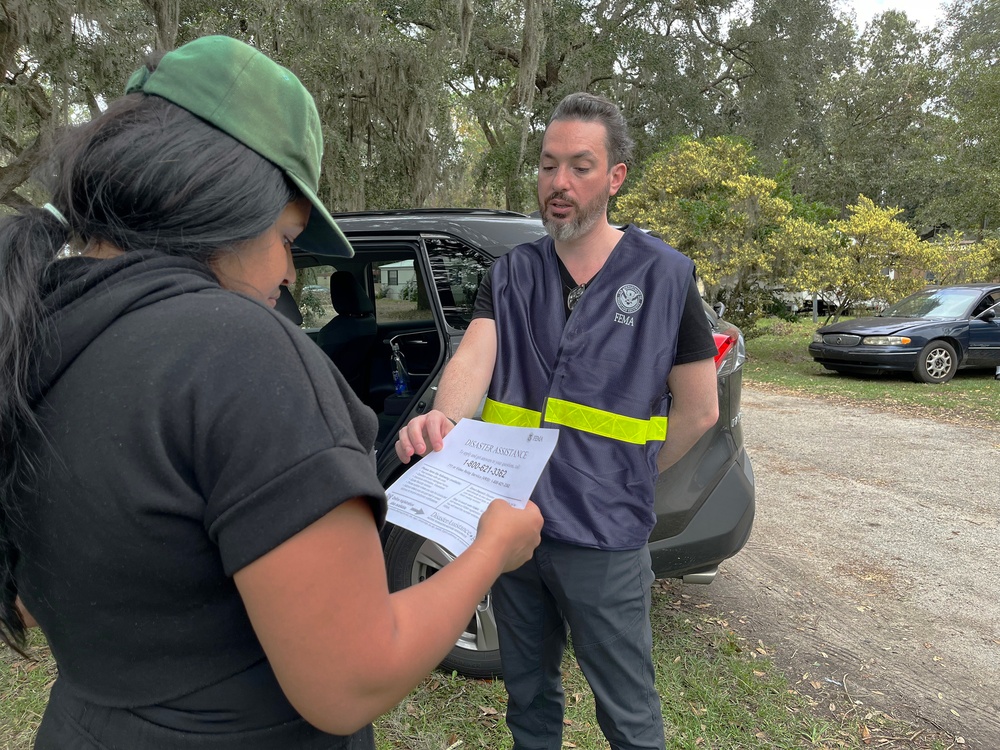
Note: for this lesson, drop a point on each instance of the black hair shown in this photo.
(143, 175)
(594, 108)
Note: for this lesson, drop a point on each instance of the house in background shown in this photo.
(393, 278)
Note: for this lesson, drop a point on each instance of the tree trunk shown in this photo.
(166, 15)
(17, 172)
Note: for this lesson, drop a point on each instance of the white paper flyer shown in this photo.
(442, 496)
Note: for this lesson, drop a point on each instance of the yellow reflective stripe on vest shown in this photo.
(579, 417)
(605, 423)
(515, 416)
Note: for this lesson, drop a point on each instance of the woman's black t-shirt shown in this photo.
(188, 431)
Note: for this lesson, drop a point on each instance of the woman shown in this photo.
(189, 504)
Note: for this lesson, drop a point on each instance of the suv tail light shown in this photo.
(732, 352)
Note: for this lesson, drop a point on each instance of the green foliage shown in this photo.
(703, 198)
(814, 211)
(409, 291)
(953, 260)
(776, 105)
(993, 266)
(969, 195)
(54, 71)
(378, 84)
(868, 256)
(750, 235)
(311, 307)
(878, 124)
(499, 175)
(432, 102)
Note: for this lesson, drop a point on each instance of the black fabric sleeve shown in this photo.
(694, 338)
(484, 298)
(280, 439)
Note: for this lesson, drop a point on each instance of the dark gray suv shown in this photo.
(397, 311)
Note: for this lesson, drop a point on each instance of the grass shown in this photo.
(778, 356)
(24, 690)
(719, 692)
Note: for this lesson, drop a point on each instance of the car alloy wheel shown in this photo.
(410, 559)
(938, 363)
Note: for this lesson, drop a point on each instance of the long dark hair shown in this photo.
(144, 175)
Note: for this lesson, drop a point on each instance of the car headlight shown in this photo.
(885, 340)
(817, 338)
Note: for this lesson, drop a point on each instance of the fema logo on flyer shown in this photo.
(629, 298)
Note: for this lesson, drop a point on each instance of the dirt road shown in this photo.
(874, 558)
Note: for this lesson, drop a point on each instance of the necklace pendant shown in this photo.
(574, 295)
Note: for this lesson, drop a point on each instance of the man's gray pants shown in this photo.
(604, 599)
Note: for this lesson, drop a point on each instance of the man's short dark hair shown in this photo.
(593, 108)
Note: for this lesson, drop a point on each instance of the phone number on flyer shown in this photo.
(485, 468)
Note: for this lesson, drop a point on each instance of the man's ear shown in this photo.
(618, 172)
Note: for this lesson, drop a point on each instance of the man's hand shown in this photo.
(460, 392)
(420, 432)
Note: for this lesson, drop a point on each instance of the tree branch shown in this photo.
(38, 101)
(166, 16)
(726, 75)
(504, 53)
(92, 104)
(17, 172)
(15, 201)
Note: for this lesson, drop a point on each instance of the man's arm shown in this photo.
(694, 409)
(462, 387)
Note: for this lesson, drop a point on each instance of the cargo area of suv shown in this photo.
(391, 316)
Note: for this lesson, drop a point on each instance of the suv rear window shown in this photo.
(458, 271)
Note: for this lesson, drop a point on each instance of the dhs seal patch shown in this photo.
(629, 298)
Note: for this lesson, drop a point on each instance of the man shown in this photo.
(598, 332)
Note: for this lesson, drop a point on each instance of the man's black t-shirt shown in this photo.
(694, 336)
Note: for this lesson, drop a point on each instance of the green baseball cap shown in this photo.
(264, 106)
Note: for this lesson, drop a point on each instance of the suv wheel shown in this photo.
(410, 559)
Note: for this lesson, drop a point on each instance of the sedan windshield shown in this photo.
(934, 303)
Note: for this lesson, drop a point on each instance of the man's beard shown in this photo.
(585, 217)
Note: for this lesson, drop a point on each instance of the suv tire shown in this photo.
(410, 559)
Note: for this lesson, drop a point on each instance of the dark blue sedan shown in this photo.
(931, 334)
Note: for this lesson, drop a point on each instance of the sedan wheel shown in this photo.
(410, 559)
(937, 363)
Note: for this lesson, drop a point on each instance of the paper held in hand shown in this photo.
(442, 496)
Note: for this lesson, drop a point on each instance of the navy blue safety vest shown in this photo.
(600, 377)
